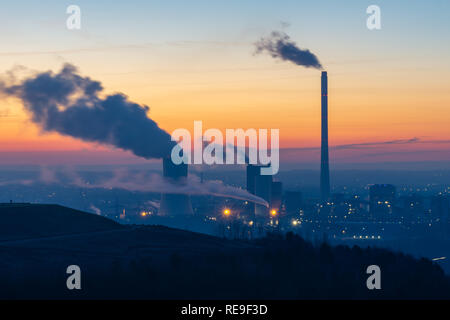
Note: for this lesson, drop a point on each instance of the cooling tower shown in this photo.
(175, 204)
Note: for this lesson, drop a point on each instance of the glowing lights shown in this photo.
(227, 212)
(273, 213)
(367, 237)
(144, 214)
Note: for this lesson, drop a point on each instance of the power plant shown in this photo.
(324, 166)
(262, 186)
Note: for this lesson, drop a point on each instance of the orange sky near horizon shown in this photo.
(369, 106)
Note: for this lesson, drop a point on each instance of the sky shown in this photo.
(389, 97)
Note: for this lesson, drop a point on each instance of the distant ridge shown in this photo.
(25, 220)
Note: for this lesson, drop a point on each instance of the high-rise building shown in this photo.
(324, 166)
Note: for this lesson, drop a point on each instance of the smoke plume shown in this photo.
(71, 105)
(142, 182)
(279, 45)
(138, 181)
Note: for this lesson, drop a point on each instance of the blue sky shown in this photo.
(406, 24)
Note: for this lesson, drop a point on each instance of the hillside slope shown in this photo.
(22, 221)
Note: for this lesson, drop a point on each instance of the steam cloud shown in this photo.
(150, 182)
(71, 105)
(127, 180)
(279, 45)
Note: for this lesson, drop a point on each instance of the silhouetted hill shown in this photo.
(21, 221)
(154, 262)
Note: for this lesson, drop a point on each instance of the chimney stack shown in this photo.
(175, 204)
(324, 167)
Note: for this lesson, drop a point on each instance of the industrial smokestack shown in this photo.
(325, 166)
(175, 204)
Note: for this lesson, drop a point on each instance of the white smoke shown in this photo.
(73, 105)
(137, 181)
(141, 182)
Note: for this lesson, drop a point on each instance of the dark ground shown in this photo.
(152, 262)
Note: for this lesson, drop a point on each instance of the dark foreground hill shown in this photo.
(153, 262)
(22, 220)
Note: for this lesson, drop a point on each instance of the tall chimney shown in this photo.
(324, 167)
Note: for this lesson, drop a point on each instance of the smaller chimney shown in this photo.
(175, 204)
